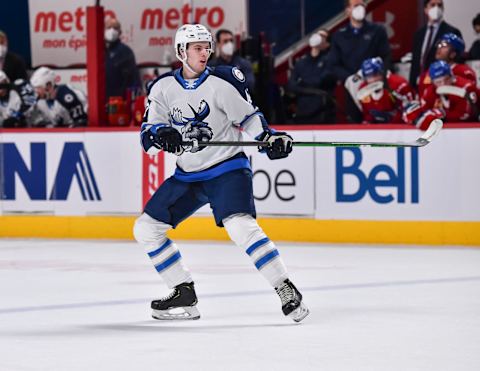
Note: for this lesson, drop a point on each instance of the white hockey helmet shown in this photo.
(42, 76)
(4, 78)
(191, 33)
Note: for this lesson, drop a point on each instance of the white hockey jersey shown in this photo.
(216, 106)
(9, 106)
(67, 109)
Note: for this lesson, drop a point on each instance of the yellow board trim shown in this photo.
(294, 230)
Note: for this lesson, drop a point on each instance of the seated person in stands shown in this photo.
(450, 49)
(227, 56)
(382, 94)
(474, 52)
(61, 105)
(449, 97)
(313, 83)
(10, 104)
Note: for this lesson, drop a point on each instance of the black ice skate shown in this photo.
(180, 304)
(292, 305)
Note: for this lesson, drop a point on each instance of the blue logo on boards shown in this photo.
(74, 166)
(381, 176)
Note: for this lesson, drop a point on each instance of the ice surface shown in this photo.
(84, 305)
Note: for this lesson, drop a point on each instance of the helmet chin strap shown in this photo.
(185, 64)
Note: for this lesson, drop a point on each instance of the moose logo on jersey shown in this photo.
(193, 128)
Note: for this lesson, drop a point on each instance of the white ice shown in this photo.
(84, 305)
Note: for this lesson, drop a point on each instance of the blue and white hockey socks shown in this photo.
(163, 252)
(244, 230)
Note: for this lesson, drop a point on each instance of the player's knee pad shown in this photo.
(149, 231)
(243, 229)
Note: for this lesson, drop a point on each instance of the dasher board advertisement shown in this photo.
(58, 28)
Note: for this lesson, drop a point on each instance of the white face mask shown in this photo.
(315, 40)
(435, 13)
(3, 50)
(111, 34)
(228, 48)
(358, 13)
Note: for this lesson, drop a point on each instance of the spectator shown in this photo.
(10, 104)
(427, 37)
(383, 95)
(120, 65)
(12, 64)
(59, 104)
(313, 84)
(450, 98)
(352, 44)
(449, 49)
(474, 53)
(227, 55)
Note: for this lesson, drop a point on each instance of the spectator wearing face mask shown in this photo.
(120, 65)
(354, 43)
(312, 83)
(11, 63)
(426, 38)
(474, 52)
(227, 56)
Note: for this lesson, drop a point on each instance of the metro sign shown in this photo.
(74, 166)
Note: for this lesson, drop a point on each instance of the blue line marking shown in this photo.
(367, 285)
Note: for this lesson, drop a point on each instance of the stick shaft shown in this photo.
(417, 143)
(430, 133)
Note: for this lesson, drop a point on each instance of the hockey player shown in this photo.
(450, 98)
(61, 104)
(193, 104)
(449, 49)
(10, 104)
(382, 94)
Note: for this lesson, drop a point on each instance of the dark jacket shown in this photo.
(350, 47)
(120, 69)
(418, 38)
(313, 85)
(14, 67)
(241, 63)
(474, 53)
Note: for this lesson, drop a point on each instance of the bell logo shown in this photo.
(74, 166)
(380, 176)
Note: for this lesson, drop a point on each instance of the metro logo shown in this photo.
(74, 164)
(65, 21)
(381, 176)
(151, 19)
(156, 19)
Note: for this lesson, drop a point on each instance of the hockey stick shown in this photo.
(426, 138)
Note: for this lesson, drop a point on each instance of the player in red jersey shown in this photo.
(449, 48)
(450, 98)
(382, 94)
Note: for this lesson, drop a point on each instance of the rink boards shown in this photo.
(92, 183)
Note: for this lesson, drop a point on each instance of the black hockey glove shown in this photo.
(169, 139)
(279, 144)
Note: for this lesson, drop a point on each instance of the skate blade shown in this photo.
(176, 314)
(300, 313)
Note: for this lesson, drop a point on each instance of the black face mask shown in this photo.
(5, 85)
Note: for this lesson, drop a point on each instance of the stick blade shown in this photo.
(432, 131)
